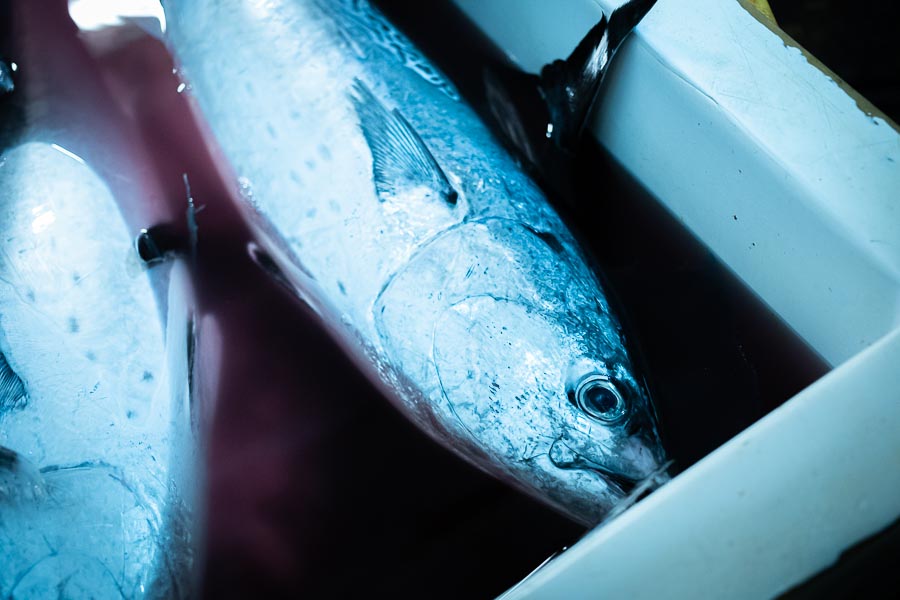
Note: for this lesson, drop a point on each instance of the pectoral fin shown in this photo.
(400, 159)
(165, 241)
(12, 390)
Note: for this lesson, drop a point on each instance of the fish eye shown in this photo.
(598, 398)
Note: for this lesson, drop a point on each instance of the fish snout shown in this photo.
(642, 455)
(627, 463)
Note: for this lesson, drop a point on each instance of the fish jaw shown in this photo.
(590, 491)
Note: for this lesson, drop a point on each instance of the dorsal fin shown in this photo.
(12, 390)
(400, 159)
(570, 86)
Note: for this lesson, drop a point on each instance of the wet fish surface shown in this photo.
(96, 444)
(387, 205)
(87, 399)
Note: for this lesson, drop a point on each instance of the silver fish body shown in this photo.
(97, 447)
(94, 421)
(394, 210)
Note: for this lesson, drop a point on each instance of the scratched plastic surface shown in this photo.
(95, 440)
(418, 275)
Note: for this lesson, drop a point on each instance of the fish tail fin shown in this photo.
(544, 116)
(571, 86)
(625, 18)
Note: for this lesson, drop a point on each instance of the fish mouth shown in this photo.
(564, 457)
(640, 489)
(622, 484)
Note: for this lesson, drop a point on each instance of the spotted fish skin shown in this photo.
(393, 210)
(91, 400)
(96, 443)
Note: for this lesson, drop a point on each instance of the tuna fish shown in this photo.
(383, 201)
(96, 439)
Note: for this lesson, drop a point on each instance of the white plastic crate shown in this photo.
(793, 181)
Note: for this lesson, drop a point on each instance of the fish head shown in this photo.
(560, 408)
(522, 365)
